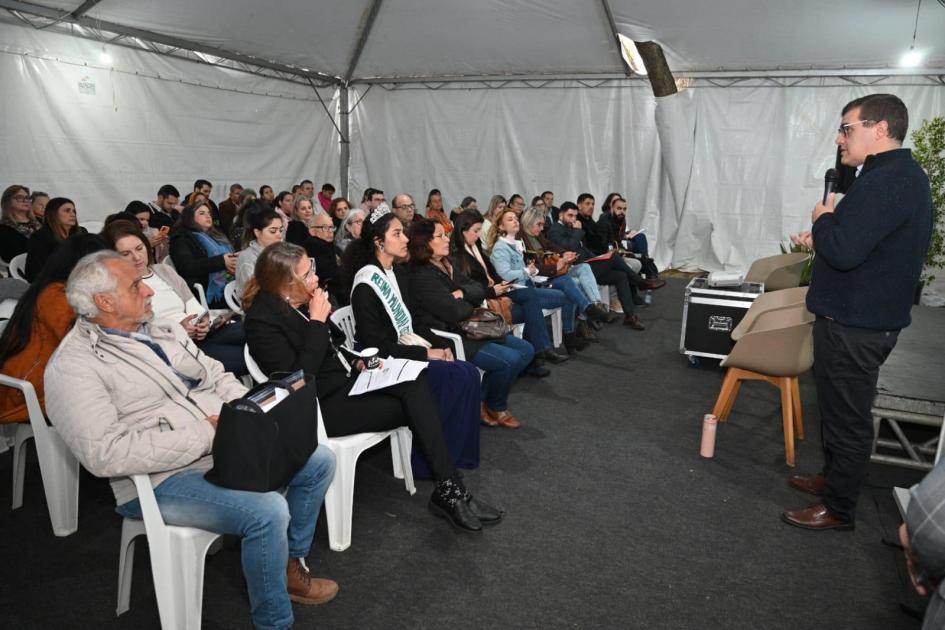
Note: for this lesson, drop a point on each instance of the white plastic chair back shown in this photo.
(229, 294)
(57, 465)
(4, 268)
(93, 227)
(7, 307)
(18, 267)
(258, 375)
(201, 295)
(177, 562)
(339, 499)
(344, 319)
(557, 328)
(459, 353)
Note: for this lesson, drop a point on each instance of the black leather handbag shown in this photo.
(484, 325)
(260, 450)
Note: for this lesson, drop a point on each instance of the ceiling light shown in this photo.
(911, 58)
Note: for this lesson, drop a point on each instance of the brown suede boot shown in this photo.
(487, 416)
(305, 589)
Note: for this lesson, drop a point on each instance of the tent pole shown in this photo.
(344, 138)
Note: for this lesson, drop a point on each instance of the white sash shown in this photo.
(390, 297)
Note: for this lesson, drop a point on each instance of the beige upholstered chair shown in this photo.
(766, 302)
(777, 348)
(778, 272)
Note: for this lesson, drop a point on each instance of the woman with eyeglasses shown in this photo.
(288, 327)
(173, 299)
(263, 228)
(350, 230)
(201, 254)
(59, 223)
(17, 222)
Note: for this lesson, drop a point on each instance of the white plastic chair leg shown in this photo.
(402, 438)
(339, 500)
(178, 577)
(130, 530)
(557, 329)
(395, 456)
(23, 433)
(60, 471)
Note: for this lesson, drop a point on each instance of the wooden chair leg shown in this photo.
(787, 418)
(729, 389)
(798, 411)
(727, 411)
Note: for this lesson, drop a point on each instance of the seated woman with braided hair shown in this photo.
(288, 329)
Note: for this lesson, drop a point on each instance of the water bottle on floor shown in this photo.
(648, 296)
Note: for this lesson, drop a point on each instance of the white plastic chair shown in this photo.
(177, 562)
(557, 328)
(604, 290)
(339, 499)
(458, 352)
(18, 267)
(229, 294)
(93, 227)
(343, 318)
(57, 466)
(201, 295)
(7, 307)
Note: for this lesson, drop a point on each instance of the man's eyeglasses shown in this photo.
(412, 206)
(329, 228)
(844, 129)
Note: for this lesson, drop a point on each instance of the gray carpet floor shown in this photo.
(614, 521)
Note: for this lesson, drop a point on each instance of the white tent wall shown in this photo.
(106, 135)
(484, 142)
(755, 172)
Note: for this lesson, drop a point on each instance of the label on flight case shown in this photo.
(720, 323)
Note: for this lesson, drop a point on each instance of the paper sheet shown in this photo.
(391, 372)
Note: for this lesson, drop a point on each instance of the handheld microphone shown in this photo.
(831, 179)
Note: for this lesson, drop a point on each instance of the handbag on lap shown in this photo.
(484, 325)
(261, 440)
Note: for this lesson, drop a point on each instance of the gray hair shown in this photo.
(530, 217)
(90, 277)
(342, 236)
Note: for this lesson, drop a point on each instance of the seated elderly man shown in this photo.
(132, 396)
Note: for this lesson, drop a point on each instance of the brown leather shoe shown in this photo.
(633, 322)
(507, 420)
(487, 416)
(811, 485)
(653, 284)
(815, 517)
(305, 589)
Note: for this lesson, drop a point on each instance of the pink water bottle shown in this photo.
(709, 425)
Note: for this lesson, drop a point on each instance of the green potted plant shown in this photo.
(929, 151)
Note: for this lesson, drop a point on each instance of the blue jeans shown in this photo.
(586, 281)
(553, 298)
(569, 287)
(639, 245)
(526, 309)
(273, 528)
(502, 363)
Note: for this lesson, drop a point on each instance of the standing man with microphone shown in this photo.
(870, 251)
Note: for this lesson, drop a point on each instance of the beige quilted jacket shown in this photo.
(123, 411)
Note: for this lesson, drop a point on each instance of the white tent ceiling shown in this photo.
(453, 38)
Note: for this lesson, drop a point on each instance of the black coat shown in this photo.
(191, 260)
(326, 264)
(593, 238)
(12, 242)
(434, 306)
(282, 340)
(466, 263)
(40, 247)
(610, 229)
(296, 232)
(374, 328)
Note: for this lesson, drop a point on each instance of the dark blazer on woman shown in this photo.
(434, 306)
(296, 232)
(282, 340)
(191, 260)
(374, 328)
(12, 242)
(41, 246)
